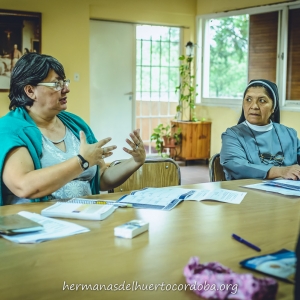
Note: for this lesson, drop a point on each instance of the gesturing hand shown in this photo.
(95, 153)
(138, 151)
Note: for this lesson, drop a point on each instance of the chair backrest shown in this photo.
(216, 172)
(158, 172)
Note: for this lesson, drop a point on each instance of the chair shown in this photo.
(159, 172)
(216, 172)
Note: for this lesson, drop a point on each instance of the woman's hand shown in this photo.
(291, 172)
(138, 151)
(95, 153)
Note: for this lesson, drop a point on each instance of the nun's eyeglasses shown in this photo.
(268, 158)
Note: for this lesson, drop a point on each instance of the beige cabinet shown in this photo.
(195, 140)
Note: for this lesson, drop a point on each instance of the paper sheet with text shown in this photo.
(163, 196)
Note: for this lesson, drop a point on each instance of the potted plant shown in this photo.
(165, 137)
(186, 87)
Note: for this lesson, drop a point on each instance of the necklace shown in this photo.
(267, 158)
(57, 142)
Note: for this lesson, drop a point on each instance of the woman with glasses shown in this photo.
(47, 152)
(259, 147)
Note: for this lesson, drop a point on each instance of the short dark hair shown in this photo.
(31, 69)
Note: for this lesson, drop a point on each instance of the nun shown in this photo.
(259, 146)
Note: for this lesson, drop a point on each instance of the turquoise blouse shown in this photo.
(17, 129)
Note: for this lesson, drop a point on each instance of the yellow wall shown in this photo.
(222, 117)
(155, 12)
(65, 35)
(214, 6)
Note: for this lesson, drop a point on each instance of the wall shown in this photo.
(155, 12)
(65, 35)
(214, 6)
(222, 117)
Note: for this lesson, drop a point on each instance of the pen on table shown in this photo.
(118, 204)
(239, 239)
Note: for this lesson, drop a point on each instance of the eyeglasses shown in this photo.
(268, 158)
(58, 85)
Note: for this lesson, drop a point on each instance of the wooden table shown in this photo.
(38, 271)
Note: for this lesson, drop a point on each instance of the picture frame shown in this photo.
(20, 32)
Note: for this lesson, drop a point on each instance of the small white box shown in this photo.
(131, 229)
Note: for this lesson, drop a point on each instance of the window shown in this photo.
(236, 47)
(157, 75)
(228, 57)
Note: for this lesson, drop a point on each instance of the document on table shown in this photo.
(272, 188)
(168, 198)
(155, 198)
(285, 183)
(53, 229)
(221, 195)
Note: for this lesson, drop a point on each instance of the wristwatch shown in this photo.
(84, 163)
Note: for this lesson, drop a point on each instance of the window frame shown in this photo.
(202, 61)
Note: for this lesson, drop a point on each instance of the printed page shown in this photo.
(285, 183)
(155, 196)
(163, 196)
(273, 189)
(53, 229)
(221, 195)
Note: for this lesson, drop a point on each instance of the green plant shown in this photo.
(186, 88)
(161, 132)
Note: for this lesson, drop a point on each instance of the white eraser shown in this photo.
(131, 229)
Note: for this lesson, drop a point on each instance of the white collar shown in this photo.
(267, 127)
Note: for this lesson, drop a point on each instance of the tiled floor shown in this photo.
(195, 172)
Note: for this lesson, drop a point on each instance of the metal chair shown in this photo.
(158, 172)
(216, 172)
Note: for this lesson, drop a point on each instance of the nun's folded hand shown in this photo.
(291, 172)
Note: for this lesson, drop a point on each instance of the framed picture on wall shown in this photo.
(20, 33)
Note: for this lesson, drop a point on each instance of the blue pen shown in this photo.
(239, 239)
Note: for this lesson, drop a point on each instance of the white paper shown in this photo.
(163, 196)
(273, 189)
(155, 196)
(53, 229)
(221, 195)
(285, 183)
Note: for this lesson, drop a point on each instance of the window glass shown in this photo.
(293, 63)
(157, 75)
(228, 56)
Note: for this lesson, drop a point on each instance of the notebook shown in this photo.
(79, 211)
(280, 264)
(15, 224)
